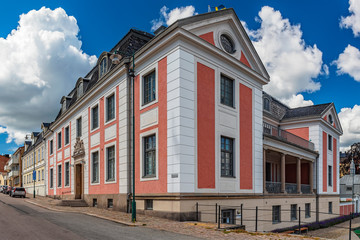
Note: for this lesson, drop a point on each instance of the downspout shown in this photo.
(317, 190)
(129, 135)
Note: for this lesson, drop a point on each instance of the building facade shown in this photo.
(3, 160)
(204, 131)
(13, 167)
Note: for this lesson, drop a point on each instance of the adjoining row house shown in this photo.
(13, 168)
(34, 161)
(205, 132)
(3, 173)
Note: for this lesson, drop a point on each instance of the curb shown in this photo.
(85, 213)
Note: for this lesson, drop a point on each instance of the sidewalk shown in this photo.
(200, 230)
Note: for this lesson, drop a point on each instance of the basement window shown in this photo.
(149, 203)
(94, 202)
(110, 203)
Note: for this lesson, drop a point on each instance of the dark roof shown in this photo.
(46, 124)
(37, 142)
(36, 134)
(314, 110)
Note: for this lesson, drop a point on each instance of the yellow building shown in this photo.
(34, 162)
(13, 167)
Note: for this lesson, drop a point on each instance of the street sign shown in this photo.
(34, 175)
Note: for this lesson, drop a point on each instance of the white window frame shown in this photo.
(112, 144)
(57, 140)
(234, 108)
(51, 147)
(67, 161)
(51, 187)
(112, 93)
(57, 176)
(66, 144)
(143, 73)
(91, 117)
(91, 166)
(142, 136)
(77, 131)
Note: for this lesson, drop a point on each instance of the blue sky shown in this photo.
(103, 23)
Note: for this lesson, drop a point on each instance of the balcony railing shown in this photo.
(7, 168)
(305, 189)
(13, 173)
(291, 188)
(284, 135)
(13, 161)
(273, 187)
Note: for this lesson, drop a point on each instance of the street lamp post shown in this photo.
(115, 57)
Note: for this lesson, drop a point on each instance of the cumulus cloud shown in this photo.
(40, 61)
(169, 17)
(350, 122)
(291, 63)
(349, 62)
(352, 21)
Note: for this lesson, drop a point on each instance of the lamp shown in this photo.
(115, 58)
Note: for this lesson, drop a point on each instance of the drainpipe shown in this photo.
(317, 190)
(129, 135)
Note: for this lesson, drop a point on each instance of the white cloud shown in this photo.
(40, 61)
(296, 101)
(352, 21)
(350, 123)
(349, 62)
(169, 18)
(291, 63)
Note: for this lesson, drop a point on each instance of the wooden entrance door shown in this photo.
(79, 184)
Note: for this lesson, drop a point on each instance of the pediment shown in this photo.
(331, 118)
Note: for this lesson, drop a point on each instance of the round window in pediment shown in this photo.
(227, 44)
(331, 119)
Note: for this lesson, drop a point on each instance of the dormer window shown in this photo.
(103, 66)
(64, 106)
(80, 90)
(266, 104)
(330, 119)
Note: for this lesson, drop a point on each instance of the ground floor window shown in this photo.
(59, 176)
(227, 216)
(148, 204)
(51, 178)
(67, 174)
(110, 203)
(293, 211)
(307, 210)
(330, 207)
(276, 214)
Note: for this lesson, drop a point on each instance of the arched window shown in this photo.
(103, 66)
(266, 104)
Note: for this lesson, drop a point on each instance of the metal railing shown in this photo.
(273, 187)
(305, 188)
(291, 188)
(284, 135)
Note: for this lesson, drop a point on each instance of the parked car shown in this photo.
(4, 191)
(2, 188)
(18, 191)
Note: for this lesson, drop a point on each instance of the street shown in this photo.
(22, 220)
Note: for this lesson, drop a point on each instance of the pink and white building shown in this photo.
(204, 130)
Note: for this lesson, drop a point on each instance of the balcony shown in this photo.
(290, 188)
(7, 168)
(13, 174)
(283, 135)
(13, 161)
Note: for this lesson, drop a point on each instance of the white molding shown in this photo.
(114, 143)
(142, 136)
(91, 166)
(142, 74)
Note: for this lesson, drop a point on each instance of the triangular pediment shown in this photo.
(330, 116)
(224, 30)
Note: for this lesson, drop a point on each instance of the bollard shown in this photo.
(256, 219)
(197, 211)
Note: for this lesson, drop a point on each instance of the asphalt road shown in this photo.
(22, 220)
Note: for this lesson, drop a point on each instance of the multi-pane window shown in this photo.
(67, 174)
(103, 66)
(149, 204)
(95, 167)
(59, 175)
(59, 140)
(150, 156)
(110, 163)
(149, 88)
(95, 117)
(51, 178)
(42, 152)
(38, 175)
(330, 207)
(266, 104)
(330, 142)
(293, 211)
(42, 175)
(78, 127)
(227, 156)
(330, 175)
(38, 159)
(67, 135)
(110, 107)
(276, 214)
(227, 216)
(51, 147)
(227, 91)
(307, 210)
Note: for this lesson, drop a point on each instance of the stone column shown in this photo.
(264, 171)
(298, 175)
(283, 173)
(311, 179)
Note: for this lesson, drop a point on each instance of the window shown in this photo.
(59, 140)
(293, 211)
(103, 66)
(42, 153)
(150, 156)
(227, 44)
(95, 117)
(149, 88)
(38, 159)
(78, 127)
(51, 147)
(276, 214)
(149, 204)
(95, 167)
(348, 188)
(227, 91)
(110, 107)
(67, 135)
(51, 178)
(110, 203)
(67, 174)
(227, 216)
(330, 175)
(94, 202)
(227, 157)
(80, 90)
(38, 175)
(42, 175)
(330, 207)
(266, 104)
(330, 119)
(59, 175)
(307, 210)
(330, 142)
(110, 163)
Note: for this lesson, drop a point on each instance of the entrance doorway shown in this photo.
(78, 181)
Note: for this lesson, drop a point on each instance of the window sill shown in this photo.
(143, 106)
(228, 176)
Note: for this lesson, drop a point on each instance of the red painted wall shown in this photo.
(244, 60)
(301, 132)
(346, 209)
(209, 37)
(206, 126)
(324, 177)
(290, 173)
(246, 158)
(334, 165)
(160, 185)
